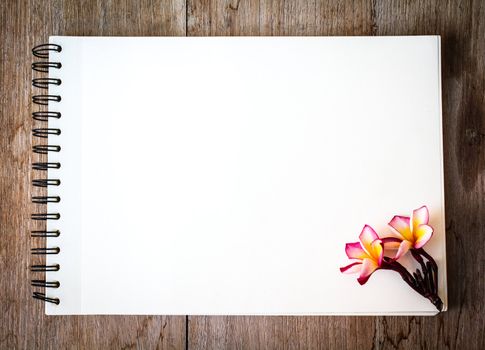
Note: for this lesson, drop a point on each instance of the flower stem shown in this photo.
(423, 282)
(434, 266)
(390, 264)
(429, 283)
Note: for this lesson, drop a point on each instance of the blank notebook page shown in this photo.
(225, 175)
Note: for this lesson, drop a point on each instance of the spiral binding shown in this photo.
(44, 251)
(46, 216)
(44, 283)
(46, 199)
(45, 166)
(45, 132)
(40, 268)
(44, 116)
(40, 233)
(42, 51)
(44, 67)
(41, 296)
(44, 99)
(43, 83)
(46, 182)
(44, 149)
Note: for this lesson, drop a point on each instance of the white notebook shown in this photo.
(224, 176)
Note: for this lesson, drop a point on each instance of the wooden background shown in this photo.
(461, 24)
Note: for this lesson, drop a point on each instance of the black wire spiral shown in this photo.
(42, 51)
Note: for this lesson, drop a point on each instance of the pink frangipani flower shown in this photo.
(409, 233)
(368, 254)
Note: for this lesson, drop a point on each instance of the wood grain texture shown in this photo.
(462, 27)
(24, 24)
(461, 24)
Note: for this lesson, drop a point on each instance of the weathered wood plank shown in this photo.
(24, 24)
(461, 25)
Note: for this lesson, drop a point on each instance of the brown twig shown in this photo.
(423, 281)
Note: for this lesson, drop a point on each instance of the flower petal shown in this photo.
(367, 236)
(403, 249)
(422, 235)
(352, 268)
(401, 225)
(377, 251)
(420, 217)
(368, 267)
(391, 242)
(355, 251)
